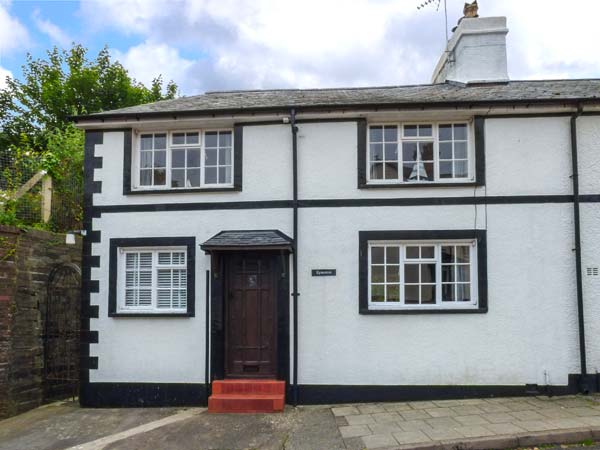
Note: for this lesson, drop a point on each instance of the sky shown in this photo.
(207, 45)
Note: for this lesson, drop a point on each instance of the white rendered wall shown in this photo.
(531, 326)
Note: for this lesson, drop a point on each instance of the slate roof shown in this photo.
(248, 239)
(444, 93)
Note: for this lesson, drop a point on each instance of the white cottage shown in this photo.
(337, 245)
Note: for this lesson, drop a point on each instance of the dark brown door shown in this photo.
(251, 312)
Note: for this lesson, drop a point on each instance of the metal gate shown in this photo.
(62, 336)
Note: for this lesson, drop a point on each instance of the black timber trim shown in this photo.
(127, 157)
(90, 161)
(238, 157)
(346, 203)
(479, 145)
(406, 235)
(113, 395)
(315, 394)
(217, 314)
(237, 169)
(116, 243)
(345, 107)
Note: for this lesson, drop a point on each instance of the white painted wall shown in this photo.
(531, 326)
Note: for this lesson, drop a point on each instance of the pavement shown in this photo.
(502, 423)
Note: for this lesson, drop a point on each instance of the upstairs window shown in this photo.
(419, 153)
(184, 160)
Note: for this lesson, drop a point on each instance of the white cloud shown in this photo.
(3, 74)
(13, 35)
(148, 60)
(55, 33)
(319, 43)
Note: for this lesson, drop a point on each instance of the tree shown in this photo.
(65, 84)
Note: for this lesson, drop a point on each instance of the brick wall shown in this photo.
(26, 258)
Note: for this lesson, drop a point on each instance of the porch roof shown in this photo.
(248, 240)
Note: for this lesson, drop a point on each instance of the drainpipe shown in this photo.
(583, 385)
(295, 253)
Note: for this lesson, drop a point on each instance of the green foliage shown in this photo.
(36, 132)
(65, 84)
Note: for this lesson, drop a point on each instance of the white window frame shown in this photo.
(121, 286)
(470, 178)
(472, 304)
(136, 160)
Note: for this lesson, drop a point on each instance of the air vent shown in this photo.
(592, 271)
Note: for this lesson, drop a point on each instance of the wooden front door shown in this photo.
(251, 315)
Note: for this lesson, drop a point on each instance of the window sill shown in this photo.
(151, 314)
(183, 191)
(418, 185)
(480, 310)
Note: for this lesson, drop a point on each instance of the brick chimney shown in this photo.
(476, 52)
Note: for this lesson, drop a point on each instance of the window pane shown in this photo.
(146, 142)
(425, 130)
(447, 253)
(225, 139)
(145, 297)
(160, 159)
(445, 150)
(460, 150)
(376, 255)
(428, 174)
(445, 169)
(409, 151)
(377, 293)
(392, 255)
(193, 158)
(210, 139)
(377, 274)
(445, 132)
(411, 295)
(193, 178)
(146, 160)
(225, 156)
(410, 130)
(164, 278)
(427, 273)
(146, 177)
(376, 152)
(392, 274)
(164, 258)
(178, 158)
(412, 252)
(391, 134)
(160, 177)
(224, 175)
(178, 138)
(428, 252)
(145, 278)
(210, 175)
(160, 141)
(447, 292)
(428, 294)
(460, 132)
(178, 178)
(463, 272)
(391, 152)
(426, 149)
(210, 157)
(463, 293)
(376, 134)
(393, 293)
(163, 298)
(407, 171)
(461, 169)
(192, 138)
(462, 254)
(411, 273)
(391, 171)
(448, 273)
(131, 260)
(377, 171)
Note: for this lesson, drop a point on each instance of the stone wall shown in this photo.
(26, 259)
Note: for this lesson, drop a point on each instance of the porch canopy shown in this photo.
(248, 240)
